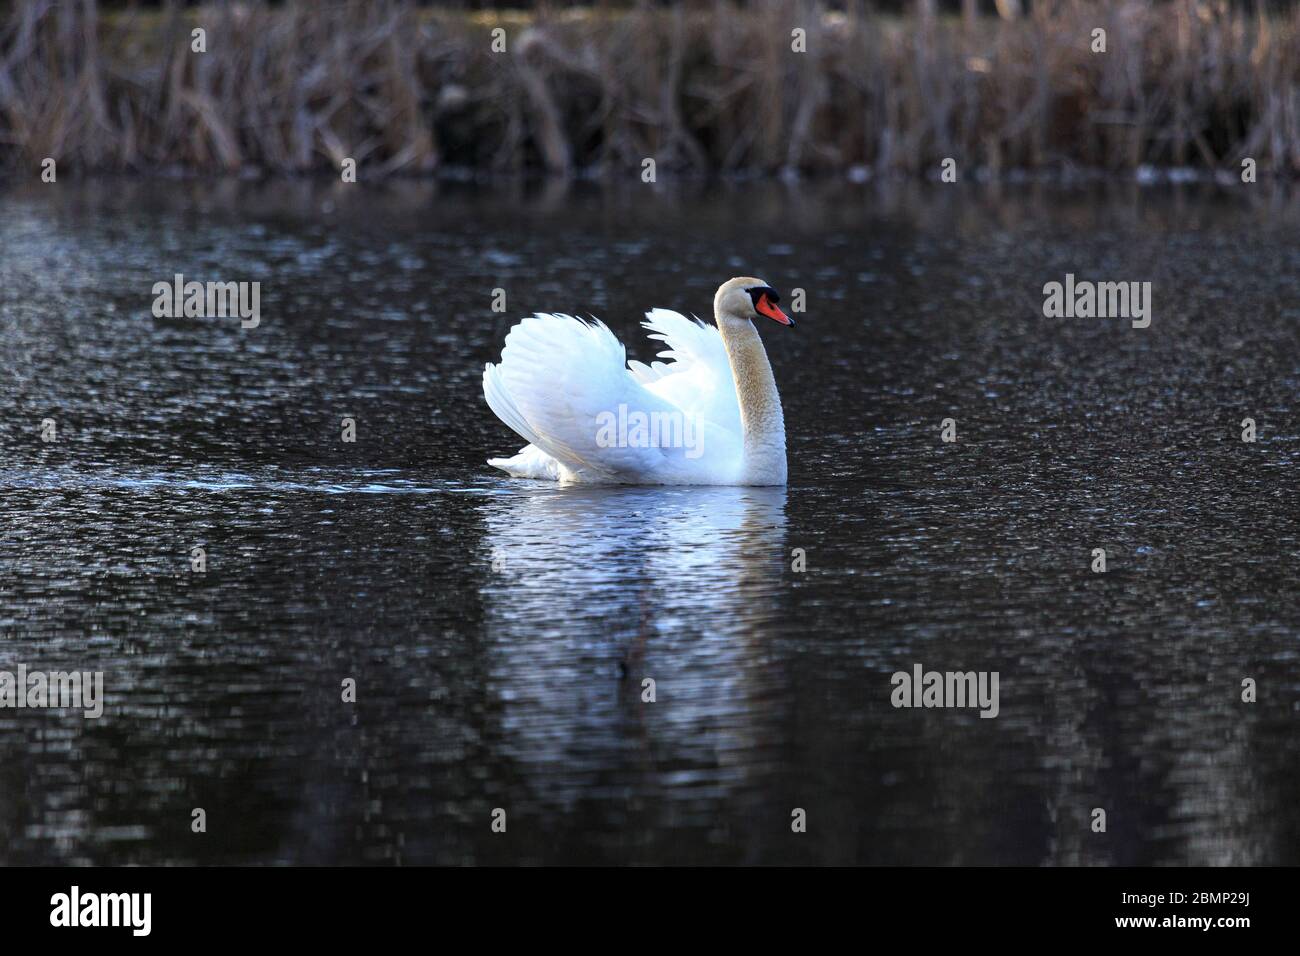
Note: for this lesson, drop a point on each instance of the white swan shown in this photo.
(711, 416)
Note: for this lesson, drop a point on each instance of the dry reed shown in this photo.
(708, 88)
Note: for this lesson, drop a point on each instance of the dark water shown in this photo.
(499, 631)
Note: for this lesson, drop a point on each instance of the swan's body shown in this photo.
(566, 387)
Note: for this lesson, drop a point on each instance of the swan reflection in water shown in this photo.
(599, 588)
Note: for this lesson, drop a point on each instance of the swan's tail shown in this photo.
(531, 462)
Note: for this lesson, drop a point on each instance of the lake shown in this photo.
(499, 632)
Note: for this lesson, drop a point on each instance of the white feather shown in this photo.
(559, 375)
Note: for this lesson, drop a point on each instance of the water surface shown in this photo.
(499, 631)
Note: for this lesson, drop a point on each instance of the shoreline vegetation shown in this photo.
(709, 88)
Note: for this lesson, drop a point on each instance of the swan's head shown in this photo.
(746, 298)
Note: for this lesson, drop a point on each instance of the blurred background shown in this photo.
(699, 86)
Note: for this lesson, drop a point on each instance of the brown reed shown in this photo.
(701, 87)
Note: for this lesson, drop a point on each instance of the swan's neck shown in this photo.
(760, 403)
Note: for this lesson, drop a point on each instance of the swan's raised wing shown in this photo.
(697, 378)
(561, 382)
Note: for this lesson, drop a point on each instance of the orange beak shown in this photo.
(768, 308)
